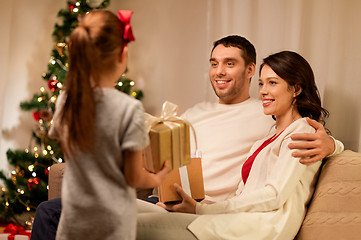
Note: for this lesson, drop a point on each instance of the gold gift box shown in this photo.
(169, 139)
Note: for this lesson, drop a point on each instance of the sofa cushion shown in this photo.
(335, 208)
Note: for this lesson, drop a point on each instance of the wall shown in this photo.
(169, 58)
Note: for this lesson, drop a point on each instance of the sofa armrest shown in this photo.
(56, 177)
(55, 180)
(335, 208)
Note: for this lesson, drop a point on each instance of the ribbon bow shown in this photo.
(13, 229)
(169, 113)
(33, 181)
(124, 17)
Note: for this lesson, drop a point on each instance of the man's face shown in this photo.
(229, 76)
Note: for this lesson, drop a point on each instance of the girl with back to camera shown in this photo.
(275, 189)
(102, 134)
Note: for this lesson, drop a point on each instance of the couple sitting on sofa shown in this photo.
(276, 191)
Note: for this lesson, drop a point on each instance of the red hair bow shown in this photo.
(124, 16)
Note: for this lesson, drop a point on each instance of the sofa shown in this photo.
(334, 211)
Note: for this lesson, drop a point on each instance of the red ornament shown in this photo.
(52, 84)
(71, 7)
(47, 171)
(33, 182)
(36, 115)
(45, 115)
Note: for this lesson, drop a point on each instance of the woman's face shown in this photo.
(276, 95)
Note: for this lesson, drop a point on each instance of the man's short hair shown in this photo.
(248, 52)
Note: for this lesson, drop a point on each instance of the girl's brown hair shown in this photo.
(94, 47)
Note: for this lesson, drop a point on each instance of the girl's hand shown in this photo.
(188, 204)
(163, 172)
(137, 175)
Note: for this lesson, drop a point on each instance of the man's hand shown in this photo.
(188, 204)
(314, 146)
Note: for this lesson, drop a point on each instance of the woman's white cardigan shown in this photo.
(272, 204)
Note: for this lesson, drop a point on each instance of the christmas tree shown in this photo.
(28, 184)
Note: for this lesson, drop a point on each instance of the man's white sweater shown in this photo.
(225, 135)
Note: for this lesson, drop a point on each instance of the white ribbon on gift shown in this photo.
(184, 178)
(169, 113)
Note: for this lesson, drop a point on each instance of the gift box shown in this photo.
(8, 236)
(189, 177)
(13, 232)
(169, 140)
